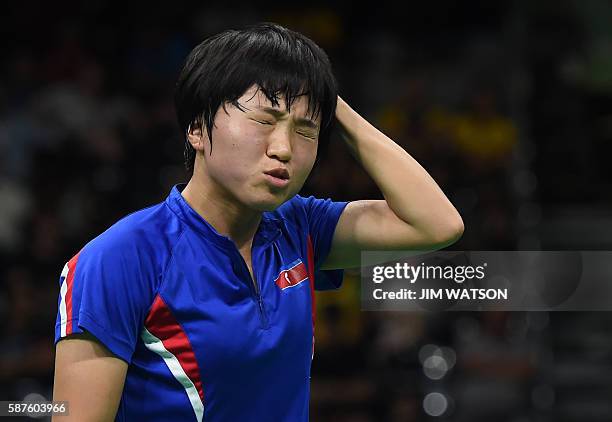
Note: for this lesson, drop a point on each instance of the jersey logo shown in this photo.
(292, 276)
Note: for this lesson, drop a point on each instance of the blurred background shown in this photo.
(507, 104)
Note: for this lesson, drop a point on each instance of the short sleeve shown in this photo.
(323, 216)
(105, 291)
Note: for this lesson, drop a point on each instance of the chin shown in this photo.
(266, 206)
(269, 204)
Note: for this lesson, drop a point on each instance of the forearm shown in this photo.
(409, 190)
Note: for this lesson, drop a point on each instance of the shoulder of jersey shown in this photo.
(150, 228)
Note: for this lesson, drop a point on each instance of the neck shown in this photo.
(227, 216)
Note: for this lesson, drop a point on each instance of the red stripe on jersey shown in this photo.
(292, 276)
(162, 324)
(69, 282)
(312, 284)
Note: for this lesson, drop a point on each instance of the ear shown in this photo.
(196, 137)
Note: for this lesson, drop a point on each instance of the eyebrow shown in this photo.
(300, 120)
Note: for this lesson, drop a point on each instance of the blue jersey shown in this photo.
(164, 291)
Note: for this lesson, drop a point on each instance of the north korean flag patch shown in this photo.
(293, 276)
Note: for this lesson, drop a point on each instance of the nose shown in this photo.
(279, 145)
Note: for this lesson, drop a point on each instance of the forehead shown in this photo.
(254, 98)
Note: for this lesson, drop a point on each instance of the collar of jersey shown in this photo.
(269, 227)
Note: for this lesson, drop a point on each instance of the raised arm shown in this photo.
(415, 213)
(89, 377)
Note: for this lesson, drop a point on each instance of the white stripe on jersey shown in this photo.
(155, 345)
(62, 305)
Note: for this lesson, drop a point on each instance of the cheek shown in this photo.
(237, 135)
(245, 147)
(307, 157)
(235, 151)
(244, 139)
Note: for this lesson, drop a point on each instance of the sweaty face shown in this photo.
(261, 155)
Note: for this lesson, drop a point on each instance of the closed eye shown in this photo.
(263, 122)
(307, 135)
